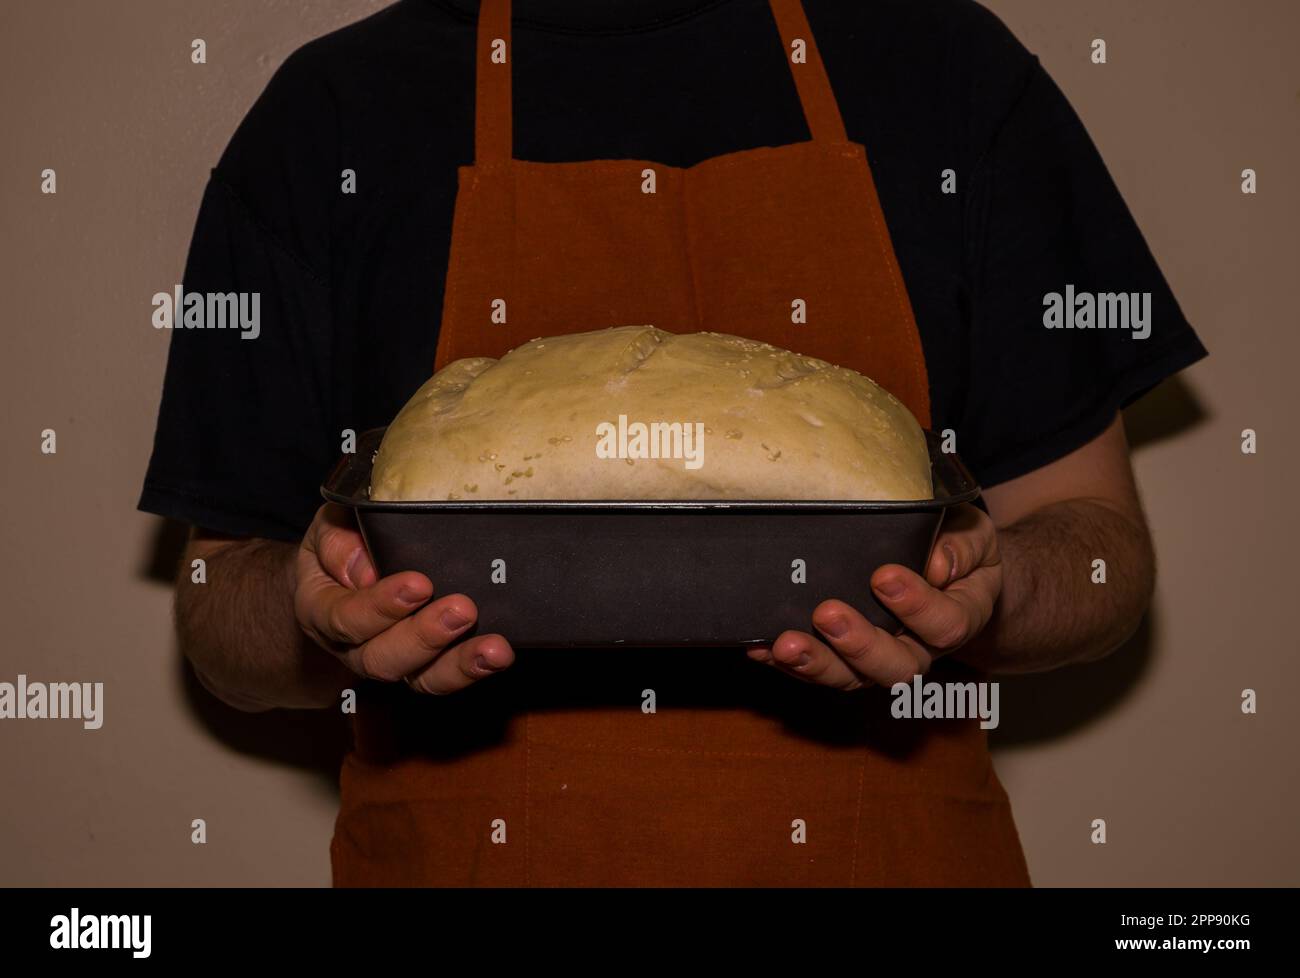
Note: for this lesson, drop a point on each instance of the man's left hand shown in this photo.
(940, 612)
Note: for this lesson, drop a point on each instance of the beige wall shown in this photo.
(1152, 739)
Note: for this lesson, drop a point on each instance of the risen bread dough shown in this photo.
(775, 425)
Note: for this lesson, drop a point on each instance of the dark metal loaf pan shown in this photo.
(604, 573)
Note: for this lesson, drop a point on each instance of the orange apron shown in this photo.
(551, 774)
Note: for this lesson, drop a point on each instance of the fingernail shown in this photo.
(804, 659)
(453, 620)
(409, 595)
(952, 563)
(835, 628)
(482, 664)
(891, 587)
(354, 562)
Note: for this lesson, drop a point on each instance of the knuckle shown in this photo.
(906, 675)
(856, 646)
(950, 634)
(339, 628)
(987, 551)
(899, 671)
(422, 683)
(335, 548)
(311, 537)
(375, 665)
(327, 540)
(920, 653)
(380, 610)
(918, 603)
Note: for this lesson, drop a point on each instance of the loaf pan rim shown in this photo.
(948, 460)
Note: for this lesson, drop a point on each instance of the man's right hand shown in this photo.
(387, 629)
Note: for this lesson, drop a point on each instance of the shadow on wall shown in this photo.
(1048, 705)
(1168, 410)
(311, 740)
(1053, 704)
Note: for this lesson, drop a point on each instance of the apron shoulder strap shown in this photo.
(494, 64)
(820, 108)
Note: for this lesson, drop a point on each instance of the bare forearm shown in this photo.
(239, 631)
(1051, 613)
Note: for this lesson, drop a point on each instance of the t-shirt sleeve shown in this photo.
(1045, 218)
(245, 431)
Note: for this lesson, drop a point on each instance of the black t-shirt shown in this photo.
(351, 285)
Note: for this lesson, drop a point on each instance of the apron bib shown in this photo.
(551, 774)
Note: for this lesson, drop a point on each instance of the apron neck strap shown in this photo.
(820, 109)
(494, 64)
(493, 108)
